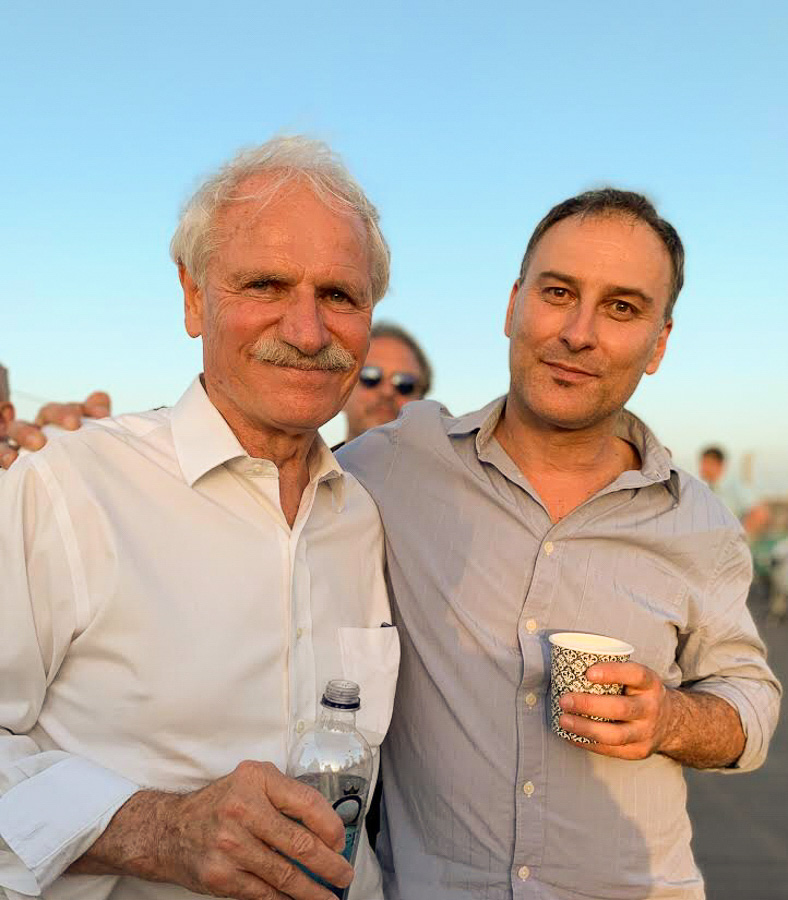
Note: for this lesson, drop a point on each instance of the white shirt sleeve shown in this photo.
(53, 804)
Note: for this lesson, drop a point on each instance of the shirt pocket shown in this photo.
(370, 657)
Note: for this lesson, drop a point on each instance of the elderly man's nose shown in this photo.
(302, 323)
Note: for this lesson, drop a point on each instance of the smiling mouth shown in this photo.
(300, 370)
(569, 373)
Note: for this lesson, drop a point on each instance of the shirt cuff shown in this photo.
(49, 820)
(758, 716)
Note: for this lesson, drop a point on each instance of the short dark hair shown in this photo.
(5, 389)
(611, 201)
(390, 330)
(715, 453)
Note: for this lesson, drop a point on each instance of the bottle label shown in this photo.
(348, 795)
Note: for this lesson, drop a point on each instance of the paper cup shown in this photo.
(572, 653)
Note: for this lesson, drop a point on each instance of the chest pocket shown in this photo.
(644, 608)
(370, 657)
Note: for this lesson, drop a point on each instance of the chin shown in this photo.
(298, 418)
(572, 419)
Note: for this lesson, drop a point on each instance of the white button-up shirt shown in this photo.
(160, 622)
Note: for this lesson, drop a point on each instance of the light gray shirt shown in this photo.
(482, 800)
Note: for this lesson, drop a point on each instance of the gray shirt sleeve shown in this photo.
(725, 656)
(371, 456)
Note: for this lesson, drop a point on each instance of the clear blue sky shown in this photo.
(464, 123)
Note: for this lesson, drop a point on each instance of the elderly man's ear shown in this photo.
(7, 415)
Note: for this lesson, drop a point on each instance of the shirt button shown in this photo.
(523, 872)
(548, 548)
(299, 632)
(530, 626)
(528, 788)
(300, 726)
(530, 699)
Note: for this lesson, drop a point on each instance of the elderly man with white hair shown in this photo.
(180, 584)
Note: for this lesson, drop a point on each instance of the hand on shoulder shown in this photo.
(20, 435)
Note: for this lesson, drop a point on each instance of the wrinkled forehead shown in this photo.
(267, 222)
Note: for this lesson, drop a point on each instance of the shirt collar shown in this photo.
(656, 463)
(203, 441)
(323, 466)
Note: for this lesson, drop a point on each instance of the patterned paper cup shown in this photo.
(571, 654)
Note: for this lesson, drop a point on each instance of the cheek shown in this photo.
(352, 332)
(244, 319)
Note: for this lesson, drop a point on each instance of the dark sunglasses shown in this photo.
(403, 382)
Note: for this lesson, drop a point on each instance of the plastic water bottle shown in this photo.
(335, 759)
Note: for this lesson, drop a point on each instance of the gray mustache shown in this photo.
(332, 358)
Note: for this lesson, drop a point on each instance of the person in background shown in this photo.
(713, 469)
(179, 585)
(7, 414)
(395, 372)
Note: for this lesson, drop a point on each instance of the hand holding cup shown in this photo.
(603, 702)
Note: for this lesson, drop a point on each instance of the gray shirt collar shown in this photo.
(657, 466)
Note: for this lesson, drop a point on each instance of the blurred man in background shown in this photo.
(396, 372)
(6, 407)
(713, 469)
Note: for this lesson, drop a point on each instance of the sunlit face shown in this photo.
(368, 407)
(295, 271)
(587, 320)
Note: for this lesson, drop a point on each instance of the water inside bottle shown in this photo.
(348, 796)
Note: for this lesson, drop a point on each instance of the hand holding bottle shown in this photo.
(235, 837)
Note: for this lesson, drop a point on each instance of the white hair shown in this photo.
(284, 159)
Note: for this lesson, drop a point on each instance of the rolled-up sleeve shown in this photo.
(725, 656)
(53, 804)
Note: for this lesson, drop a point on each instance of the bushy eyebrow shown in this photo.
(617, 289)
(246, 276)
(238, 279)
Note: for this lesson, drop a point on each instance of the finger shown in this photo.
(26, 435)
(627, 673)
(620, 708)
(613, 734)
(66, 415)
(301, 802)
(282, 875)
(296, 842)
(625, 751)
(7, 456)
(98, 405)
